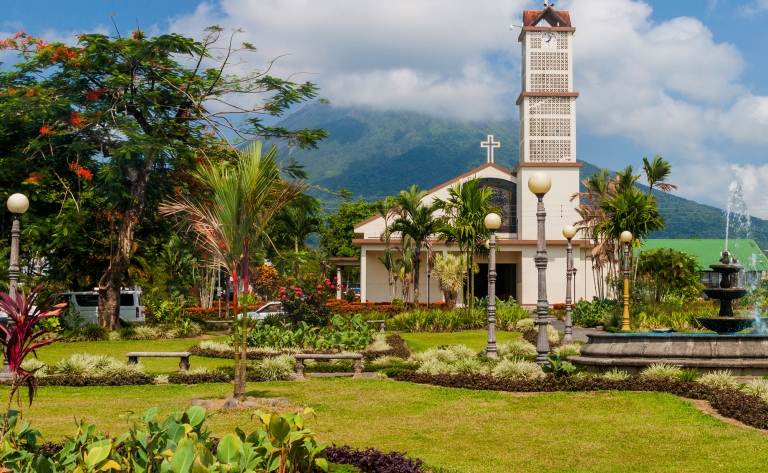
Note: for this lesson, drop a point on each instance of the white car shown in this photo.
(270, 308)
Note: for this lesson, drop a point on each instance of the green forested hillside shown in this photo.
(375, 154)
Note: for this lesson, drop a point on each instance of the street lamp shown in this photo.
(539, 183)
(17, 204)
(492, 222)
(568, 232)
(626, 237)
(429, 274)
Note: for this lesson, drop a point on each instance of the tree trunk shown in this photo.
(111, 281)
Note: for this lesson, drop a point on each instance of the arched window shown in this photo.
(505, 197)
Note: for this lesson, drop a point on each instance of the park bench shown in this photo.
(380, 322)
(219, 325)
(338, 356)
(133, 357)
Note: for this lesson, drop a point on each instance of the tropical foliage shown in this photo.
(238, 202)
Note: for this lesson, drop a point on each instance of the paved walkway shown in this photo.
(578, 332)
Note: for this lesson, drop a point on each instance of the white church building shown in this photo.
(547, 106)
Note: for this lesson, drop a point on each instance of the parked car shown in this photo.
(270, 308)
(87, 305)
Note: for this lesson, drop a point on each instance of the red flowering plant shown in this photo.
(304, 299)
(21, 336)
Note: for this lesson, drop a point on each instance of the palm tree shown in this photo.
(295, 221)
(450, 271)
(414, 219)
(467, 205)
(656, 173)
(239, 200)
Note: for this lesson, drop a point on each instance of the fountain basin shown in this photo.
(744, 355)
(726, 325)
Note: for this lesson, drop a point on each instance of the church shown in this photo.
(547, 106)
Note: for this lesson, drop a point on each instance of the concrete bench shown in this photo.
(133, 357)
(340, 356)
(380, 322)
(219, 325)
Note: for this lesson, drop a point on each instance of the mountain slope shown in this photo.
(376, 154)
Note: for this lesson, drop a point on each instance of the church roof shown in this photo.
(449, 183)
(549, 14)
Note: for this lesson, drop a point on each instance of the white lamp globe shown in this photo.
(18, 203)
(626, 236)
(569, 231)
(539, 183)
(492, 221)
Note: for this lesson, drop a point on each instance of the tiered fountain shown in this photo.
(743, 354)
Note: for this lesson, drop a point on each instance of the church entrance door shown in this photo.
(506, 281)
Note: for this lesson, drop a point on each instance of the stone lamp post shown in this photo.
(17, 204)
(568, 232)
(492, 222)
(539, 183)
(626, 237)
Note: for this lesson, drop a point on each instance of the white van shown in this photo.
(87, 305)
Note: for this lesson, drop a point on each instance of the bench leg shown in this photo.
(381, 327)
(132, 360)
(358, 369)
(184, 364)
(299, 369)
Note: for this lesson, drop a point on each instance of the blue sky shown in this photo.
(684, 79)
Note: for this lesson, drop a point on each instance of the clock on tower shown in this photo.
(547, 102)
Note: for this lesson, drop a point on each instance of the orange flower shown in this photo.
(45, 130)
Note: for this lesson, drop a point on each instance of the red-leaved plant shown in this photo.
(21, 336)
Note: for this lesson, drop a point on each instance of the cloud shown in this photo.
(758, 6)
(456, 61)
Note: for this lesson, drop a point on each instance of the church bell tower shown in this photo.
(547, 102)
(547, 105)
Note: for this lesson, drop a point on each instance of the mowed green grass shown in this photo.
(474, 339)
(118, 349)
(462, 430)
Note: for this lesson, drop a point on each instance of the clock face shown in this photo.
(548, 40)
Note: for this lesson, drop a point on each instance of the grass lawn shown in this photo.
(475, 339)
(118, 349)
(466, 431)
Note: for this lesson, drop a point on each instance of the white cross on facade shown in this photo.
(490, 145)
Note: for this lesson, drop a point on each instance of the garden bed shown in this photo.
(728, 402)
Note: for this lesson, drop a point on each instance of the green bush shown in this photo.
(591, 314)
(343, 333)
(177, 443)
(87, 333)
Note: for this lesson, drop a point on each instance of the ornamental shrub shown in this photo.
(719, 379)
(517, 369)
(304, 299)
(590, 314)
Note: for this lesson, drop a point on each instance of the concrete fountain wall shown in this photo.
(744, 355)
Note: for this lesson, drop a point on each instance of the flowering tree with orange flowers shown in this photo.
(138, 106)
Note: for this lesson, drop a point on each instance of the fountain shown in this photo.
(743, 354)
(725, 323)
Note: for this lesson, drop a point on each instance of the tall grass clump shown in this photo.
(83, 364)
(517, 369)
(434, 366)
(719, 379)
(757, 387)
(278, 368)
(470, 366)
(661, 371)
(615, 375)
(516, 349)
(568, 349)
